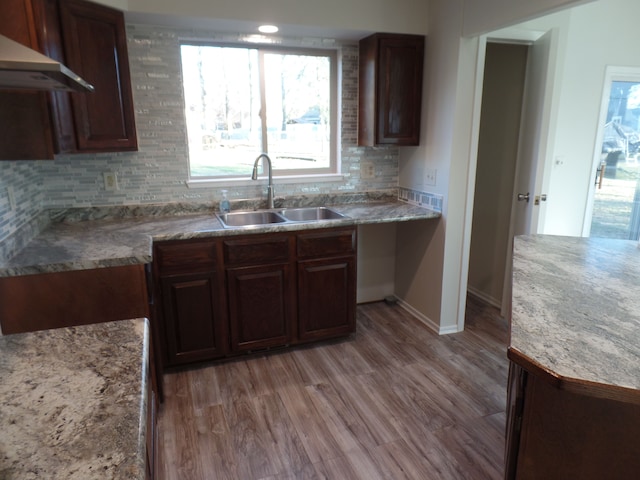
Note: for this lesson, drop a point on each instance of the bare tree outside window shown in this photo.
(227, 118)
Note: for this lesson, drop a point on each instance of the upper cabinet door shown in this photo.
(95, 48)
(25, 131)
(390, 81)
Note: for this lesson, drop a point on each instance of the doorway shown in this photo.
(616, 199)
(498, 139)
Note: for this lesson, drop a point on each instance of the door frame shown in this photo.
(611, 74)
(542, 170)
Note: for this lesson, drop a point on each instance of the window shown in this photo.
(242, 101)
(616, 205)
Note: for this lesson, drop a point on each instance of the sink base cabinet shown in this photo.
(553, 433)
(260, 290)
(245, 293)
(259, 304)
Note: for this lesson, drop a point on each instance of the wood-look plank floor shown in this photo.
(395, 401)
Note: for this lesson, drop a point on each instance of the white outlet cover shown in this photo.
(110, 181)
(367, 170)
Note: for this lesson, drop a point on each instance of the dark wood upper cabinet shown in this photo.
(95, 47)
(90, 39)
(390, 89)
(25, 131)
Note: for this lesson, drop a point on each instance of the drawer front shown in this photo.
(186, 255)
(257, 250)
(327, 243)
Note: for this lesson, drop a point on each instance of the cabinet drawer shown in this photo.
(327, 243)
(262, 249)
(186, 255)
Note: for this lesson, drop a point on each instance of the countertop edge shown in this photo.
(574, 385)
(134, 238)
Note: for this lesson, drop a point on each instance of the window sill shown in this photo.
(241, 182)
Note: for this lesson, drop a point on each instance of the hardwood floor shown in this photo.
(395, 401)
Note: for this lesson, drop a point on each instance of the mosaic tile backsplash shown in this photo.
(421, 199)
(157, 173)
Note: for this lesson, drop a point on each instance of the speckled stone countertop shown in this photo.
(73, 402)
(94, 238)
(576, 312)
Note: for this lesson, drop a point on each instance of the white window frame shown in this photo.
(329, 174)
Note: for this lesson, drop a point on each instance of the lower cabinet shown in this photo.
(152, 434)
(259, 304)
(326, 283)
(193, 329)
(225, 296)
(29, 303)
(188, 301)
(326, 294)
(555, 434)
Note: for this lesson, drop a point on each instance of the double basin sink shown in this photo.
(269, 217)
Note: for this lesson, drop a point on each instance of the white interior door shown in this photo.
(529, 185)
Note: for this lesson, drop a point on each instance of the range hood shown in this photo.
(24, 68)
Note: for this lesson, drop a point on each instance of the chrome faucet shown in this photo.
(254, 176)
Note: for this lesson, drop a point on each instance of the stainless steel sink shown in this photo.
(269, 217)
(308, 214)
(249, 219)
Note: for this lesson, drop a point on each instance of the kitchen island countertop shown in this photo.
(73, 402)
(576, 313)
(121, 238)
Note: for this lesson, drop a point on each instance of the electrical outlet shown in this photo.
(430, 176)
(367, 170)
(110, 181)
(12, 198)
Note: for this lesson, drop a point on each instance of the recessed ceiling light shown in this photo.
(267, 29)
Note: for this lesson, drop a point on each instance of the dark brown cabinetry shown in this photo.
(390, 89)
(253, 292)
(91, 40)
(558, 431)
(152, 436)
(192, 323)
(260, 293)
(326, 284)
(30, 303)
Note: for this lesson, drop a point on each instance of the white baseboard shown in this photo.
(484, 297)
(426, 320)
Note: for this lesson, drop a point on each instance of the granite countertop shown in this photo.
(576, 313)
(114, 237)
(73, 402)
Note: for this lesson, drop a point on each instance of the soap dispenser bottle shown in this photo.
(225, 206)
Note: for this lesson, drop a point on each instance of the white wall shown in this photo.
(483, 16)
(448, 145)
(402, 16)
(600, 34)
